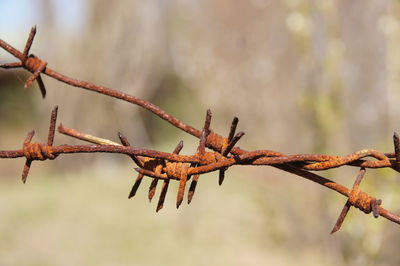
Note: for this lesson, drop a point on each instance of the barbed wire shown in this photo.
(222, 155)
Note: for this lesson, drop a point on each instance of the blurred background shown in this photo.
(302, 76)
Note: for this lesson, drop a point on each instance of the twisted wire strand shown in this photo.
(172, 166)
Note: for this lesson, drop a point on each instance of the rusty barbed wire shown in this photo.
(183, 168)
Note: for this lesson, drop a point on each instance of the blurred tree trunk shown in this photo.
(123, 46)
(317, 87)
(364, 72)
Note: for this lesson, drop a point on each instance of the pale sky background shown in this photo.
(69, 15)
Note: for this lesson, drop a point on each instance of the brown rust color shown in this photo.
(172, 166)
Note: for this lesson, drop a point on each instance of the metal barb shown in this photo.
(348, 204)
(232, 143)
(38, 151)
(149, 173)
(192, 188)
(202, 161)
(204, 133)
(165, 185)
(207, 122)
(42, 88)
(375, 203)
(28, 162)
(396, 143)
(200, 151)
(28, 44)
(11, 65)
(232, 131)
(138, 161)
(163, 194)
(341, 217)
(181, 189)
(136, 185)
(126, 143)
(152, 188)
(35, 75)
(178, 147)
(221, 176)
(52, 128)
(154, 182)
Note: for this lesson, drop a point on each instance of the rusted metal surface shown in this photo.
(163, 166)
(396, 143)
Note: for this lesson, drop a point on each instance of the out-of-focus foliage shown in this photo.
(302, 76)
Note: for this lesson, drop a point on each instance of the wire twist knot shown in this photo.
(158, 168)
(34, 64)
(361, 200)
(38, 151)
(176, 170)
(210, 158)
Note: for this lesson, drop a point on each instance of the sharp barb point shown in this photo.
(301, 165)
(42, 88)
(221, 176)
(29, 136)
(207, 122)
(341, 217)
(178, 148)
(396, 142)
(204, 133)
(52, 128)
(28, 44)
(163, 194)
(25, 171)
(335, 229)
(232, 131)
(152, 188)
(123, 139)
(233, 142)
(360, 177)
(136, 185)
(192, 188)
(181, 190)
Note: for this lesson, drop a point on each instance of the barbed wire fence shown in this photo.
(214, 152)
